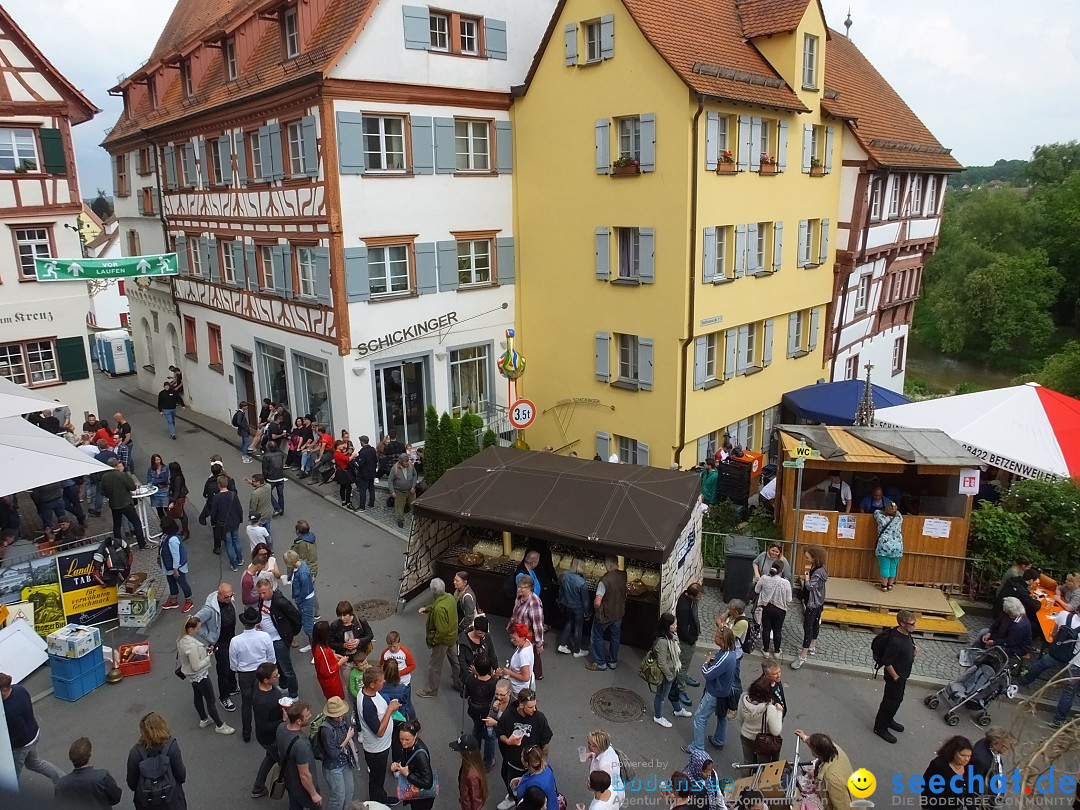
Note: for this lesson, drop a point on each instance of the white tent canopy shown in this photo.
(16, 400)
(33, 457)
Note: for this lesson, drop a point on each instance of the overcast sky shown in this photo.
(990, 78)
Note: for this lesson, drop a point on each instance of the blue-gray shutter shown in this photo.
(752, 265)
(807, 147)
(190, 168)
(603, 145)
(495, 38)
(277, 264)
(603, 445)
(804, 237)
(240, 150)
(252, 267)
(777, 246)
(204, 167)
(648, 142)
(744, 139)
(702, 448)
(642, 454)
(224, 147)
(239, 270)
(603, 253)
(309, 145)
(740, 355)
(417, 21)
(571, 44)
(701, 348)
(823, 254)
(277, 165)
(357, 287)
(607, 36)
(266, 163)
(423, 144)
(766, 352)
(210, 257)
(647, 255)
(286, 252)
(504, 147)
(712, 141)
(170, 167)
(504, 253)
(603, 356)
(350, 138)
(829, 134)
(792, 334)
(731, 349)
(708, 256)
(445, 156)
(754, 144)
(815, 317)
(781, 146)
(740, 251)
(322, 274)
(645, 364)
(427, 271)
(181, 254)
(448, 266)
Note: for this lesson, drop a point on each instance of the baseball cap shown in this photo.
(253, 517)
(465, 742)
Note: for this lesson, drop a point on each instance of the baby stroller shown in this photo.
(986, 676)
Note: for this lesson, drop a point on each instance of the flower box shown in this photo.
(625, 171)
(727, 168)
(767, 168)
(817, 171)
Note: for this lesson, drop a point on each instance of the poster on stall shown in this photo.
(845, 527)
(815, 523)
(969, 481)
(48, 613)
(85, 602)
(933, 527)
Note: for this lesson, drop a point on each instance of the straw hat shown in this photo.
(336, 707)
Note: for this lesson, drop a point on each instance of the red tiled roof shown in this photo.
(764, 17)
(884, 125)
(702, 41)
(264, 70)
(189, 19)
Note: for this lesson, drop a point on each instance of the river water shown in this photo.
(943, 373)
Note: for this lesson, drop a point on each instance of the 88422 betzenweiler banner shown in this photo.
(85, 601)
(91, 269)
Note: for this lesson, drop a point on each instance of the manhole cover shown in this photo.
(373, 610)
(618, 705)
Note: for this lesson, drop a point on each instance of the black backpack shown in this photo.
(878, 646)
(156, 785)
(1064, 647)
(236, 419)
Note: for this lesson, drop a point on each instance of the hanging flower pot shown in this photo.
(727, 168)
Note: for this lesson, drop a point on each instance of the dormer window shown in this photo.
(290, 31)
(228, 56)
(151, 91)
(809, 61)
(186, 81)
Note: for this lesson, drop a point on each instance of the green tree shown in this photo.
(434, 453)
(1058, 231)
(490, 439)
(1061, 371)
(1051, 510)
(449, 434)
(1051, 163)
(469, 441)
(102, 206)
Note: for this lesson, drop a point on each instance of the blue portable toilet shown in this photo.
(116, 354)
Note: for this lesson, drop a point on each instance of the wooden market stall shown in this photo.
(481, 515)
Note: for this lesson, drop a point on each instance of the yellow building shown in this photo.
(677, 186)
(90, 225)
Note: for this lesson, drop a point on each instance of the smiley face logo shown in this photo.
(862, 783)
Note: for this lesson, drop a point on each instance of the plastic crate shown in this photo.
(71, 689)
(71, 668)
(135, 658)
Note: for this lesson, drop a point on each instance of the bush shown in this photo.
(468, 441)
(449, 431)
(916, 386)
(998, 537)
(761, 524)
(490, 439)
(1052, 517)
(722, 518)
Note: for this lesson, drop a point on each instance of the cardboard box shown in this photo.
(134, 582)
(140, 613)
(768, 780)
(73, 641)
(136, 604)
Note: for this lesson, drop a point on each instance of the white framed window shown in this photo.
(228, 268)
(294, 134)
(187, 167)
(469, 28)
(388, 270)
(862, 292)
(712, 353)
(256, 157)
(809, 63)
(470, 379)
(741, 434)
(851, 368)
(186, 81)
(800, 330)
(630, 137)
(724, 267)
(915, 207)
(592, 41)
(266, 267)
(898, 354)
(305, 271)
(439, 26)
(875, 200)
(151, 92)
(474, 262)
(723, 140)
(215, 160)
(750, 357)
(931, 196)
(806, 246)
(228, 56)
(629, 252)
(472, 145)
(32, 363)
(628, 358)
(628, 450)
(763, 231)
(18, 150)
(897, 286)
(31, 243)
(290, 28)
(384, 143)
(194, 256)
(894, 197)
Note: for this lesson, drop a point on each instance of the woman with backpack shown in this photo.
(174, 561)
(335, 735)
(195, 657)
(665, 651)
(155, 767)
(815, 578)
(890, 543)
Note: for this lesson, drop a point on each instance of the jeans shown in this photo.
(484, 735)
(267, 764)
(50, 512)
(203, 693)
(365, 490)
(170, 420)
(772, 623)
(307, 616)
(1068, 694)
(282, 651)
(27, 757)
(306, 462)
(570, 636)
(247, 683)
(339, 788)
(277, 495)
(177, 583)
(93, 493)
(226, 678)
(71, 499)
(376, 764)
(128, 512)
(606, 653)
(811, 625)
(706, 708)
(670, 690)
(232, 547)
(245, 445)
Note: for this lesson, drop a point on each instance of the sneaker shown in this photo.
(235, 568)
(662, 721)
(592, 666)
(683, 713)
(392, 801)
(205, 723)
(170, 604)
(581, 654)
(306, 648)
(225, 729)
(563, 649)
(247, 459)
(612, 667)
(813, 650)
(694, 682)
(259, 793)
(188, 605)
(424, 693)
(684, 699)
(798, 662)
(506, 803)
(228, 705)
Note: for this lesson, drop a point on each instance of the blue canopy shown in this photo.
(835, 403)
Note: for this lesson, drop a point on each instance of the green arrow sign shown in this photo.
(795, 465)
(88, 269)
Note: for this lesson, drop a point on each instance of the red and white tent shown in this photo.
(1025, 429)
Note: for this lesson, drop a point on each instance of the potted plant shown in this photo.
(768, 164)
(625, 165)
(817, 169)
(726, 163)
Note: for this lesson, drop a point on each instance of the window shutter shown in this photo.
(203, 177)
(740, 357)
(445, 157)
(170, 168)
(792, 334)
(53, 160)
(356, 274)
(712, 141)
(277, 167)
(647, 258)
(504, 147)
(252, 267)
(744, 140)
(648, 142)
(239, 270)
(824, 254)
(642, 454)
(740, 251)
(777, 246)
(277, 264)
(645, 364)
(322, 274)
(423, 158)
(752, 265)
(815, 316)
(448, 269)
(504, 253)
(495, 38)
(603, 253)
(116, 174)
(241, 159)
(603, 445)
(190, 165)
(781, 146)
(310, 146)
(266, 163)
(603, 357)
(287, 265)
(708, 256)
(224, 147)
(700, 350)
(350, 139)
(603, 145)
(807, 147)
(702, 448)
(607, 36)
(210, 257)
(181, 254)
(766, 349)
(71, 358)
(731, 349)
(427, 271)
(571, 45)
(828, 148)
(804, 236)
(417, 27)
(753, 146)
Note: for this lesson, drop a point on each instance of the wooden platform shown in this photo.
(848, 594)
(931, 627)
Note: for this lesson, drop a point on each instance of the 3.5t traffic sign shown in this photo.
(522, 414)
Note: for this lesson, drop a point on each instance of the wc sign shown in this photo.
(969, 482)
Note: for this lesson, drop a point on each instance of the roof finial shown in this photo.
(864, 413)
(847, 24)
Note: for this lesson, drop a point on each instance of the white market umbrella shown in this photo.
(16, 400)
(31, 457)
